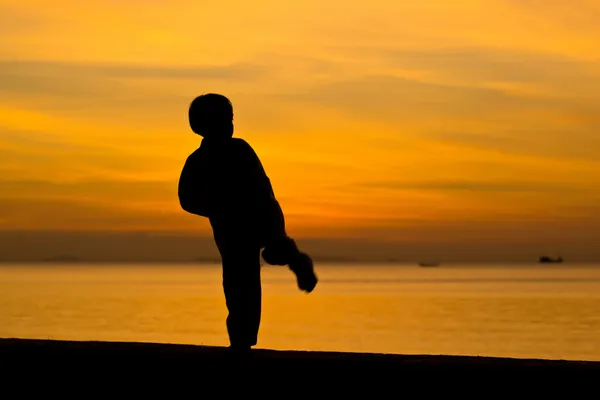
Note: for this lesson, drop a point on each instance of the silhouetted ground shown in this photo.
(58, 366)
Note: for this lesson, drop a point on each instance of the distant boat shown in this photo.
(428, 264)
(548, 259)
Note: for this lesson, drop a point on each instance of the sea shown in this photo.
(548, 311)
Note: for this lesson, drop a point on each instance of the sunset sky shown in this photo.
(449, 121)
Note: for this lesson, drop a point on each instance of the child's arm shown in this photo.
(189, 190)
(263, 198)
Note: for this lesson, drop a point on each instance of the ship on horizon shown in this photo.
(550, 259)
(429, 264)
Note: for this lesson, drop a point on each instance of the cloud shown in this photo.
(576, 16)
(488, 64)
(463, 83)
(27, 140)
(95, 79)
(122, 96)
(44, 69)
(472, 186)
(90, 214)
(394, 99)
(28, 155)
(106, 190)
(469, 81)
(480, 82)
(16, 21)
(578, 144)
(506, 101)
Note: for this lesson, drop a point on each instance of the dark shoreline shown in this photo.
(112, 362)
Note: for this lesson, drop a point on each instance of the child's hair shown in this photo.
(211, 115)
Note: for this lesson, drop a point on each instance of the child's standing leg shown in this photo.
(242, 287)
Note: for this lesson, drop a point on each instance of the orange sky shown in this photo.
(381, 119)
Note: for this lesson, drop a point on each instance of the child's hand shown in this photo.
(302, 266)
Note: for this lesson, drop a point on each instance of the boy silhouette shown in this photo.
(224, 181)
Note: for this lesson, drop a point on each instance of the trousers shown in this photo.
(242, 288)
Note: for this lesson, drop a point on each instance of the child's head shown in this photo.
(211, 115)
